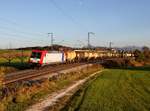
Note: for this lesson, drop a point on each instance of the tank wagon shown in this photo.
(44, 57)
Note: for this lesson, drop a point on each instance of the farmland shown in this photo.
(114, 90)
(12, 60)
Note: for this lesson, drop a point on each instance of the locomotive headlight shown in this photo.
(34, 60)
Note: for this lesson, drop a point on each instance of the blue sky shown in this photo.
(27, 22)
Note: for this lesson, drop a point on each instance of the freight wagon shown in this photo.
(70, 56)
(43, 57)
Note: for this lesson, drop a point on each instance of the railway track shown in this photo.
(34, 74)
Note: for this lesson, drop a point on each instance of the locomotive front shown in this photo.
(36, 58)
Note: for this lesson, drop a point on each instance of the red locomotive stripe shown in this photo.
(43, 53)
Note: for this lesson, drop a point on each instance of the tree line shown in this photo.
(142, 55)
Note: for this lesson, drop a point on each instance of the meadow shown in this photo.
(114, 90)
(13, 60)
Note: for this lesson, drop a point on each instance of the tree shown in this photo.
(139, 56)
(146, 52)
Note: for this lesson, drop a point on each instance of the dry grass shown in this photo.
(136, 63)
(7, 69)
(18, 97)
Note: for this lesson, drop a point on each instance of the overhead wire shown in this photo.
(20, 32)
(70, 17)
(14, 37)
(18, 25)
(24, 34)
(21, 37)
(16, 40)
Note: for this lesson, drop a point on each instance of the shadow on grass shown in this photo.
(140, 68)
(143, 68)
(17, 65)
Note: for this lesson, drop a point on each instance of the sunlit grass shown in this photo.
(115, 90)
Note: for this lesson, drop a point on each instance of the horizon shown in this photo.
(123, 47)
(25, 23)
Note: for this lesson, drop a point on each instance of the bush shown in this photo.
(143, 55)
(116, 63)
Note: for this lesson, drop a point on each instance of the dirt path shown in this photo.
(54, 97)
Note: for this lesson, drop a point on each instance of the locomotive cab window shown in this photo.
(36, 55)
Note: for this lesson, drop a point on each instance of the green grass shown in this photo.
(16, 62)
(114, 90)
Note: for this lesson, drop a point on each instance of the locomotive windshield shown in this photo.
(36, 55)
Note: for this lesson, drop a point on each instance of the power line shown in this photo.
(18, 25)
(6, 21)
(16, 34)
(19, 31)
(16, 39)
(71, 18)
(23, 34)
(20, 36)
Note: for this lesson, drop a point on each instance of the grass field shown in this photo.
(114, 90)
(16, 62)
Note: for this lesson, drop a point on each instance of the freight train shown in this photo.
(44, 57)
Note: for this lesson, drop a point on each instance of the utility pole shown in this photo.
(110, 45)
(52, 39)
(89, 33)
